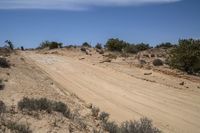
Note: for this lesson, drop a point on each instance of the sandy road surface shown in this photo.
(123, 96)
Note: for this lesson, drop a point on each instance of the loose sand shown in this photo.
(126, 93)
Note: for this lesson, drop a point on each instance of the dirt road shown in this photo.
(123, 96)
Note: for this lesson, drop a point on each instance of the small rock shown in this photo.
(89, 105)
(182, 83)
(81, 58)
(147, 73)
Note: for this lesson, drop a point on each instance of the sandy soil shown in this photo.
(126, 93)
(25, 79)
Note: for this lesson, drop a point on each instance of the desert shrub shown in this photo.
(50, 45)
(157, 62)
(111, 127)
(10, 44)
(95, 111)
(18, 128)
(43, 104)
(98, 46)
(165, 45)
(116, 44)
(144, 125)
(85, 44)
(104, 116)
(131, 49)
(142, 46)
(4, 63)
(186, 56)
(2, 107)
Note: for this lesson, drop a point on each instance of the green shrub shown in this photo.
(50, 45)
(186, 56)
(116, 44)
(142, 46)
(131, 49)
(4, 63)
(43, 104)
(85, 44)
(165, 45)
(98, 46)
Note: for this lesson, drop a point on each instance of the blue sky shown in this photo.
(27, 22)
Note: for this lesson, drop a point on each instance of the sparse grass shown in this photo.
(43, 104)
(4, 63)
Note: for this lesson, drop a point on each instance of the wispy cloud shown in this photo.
(73, 4)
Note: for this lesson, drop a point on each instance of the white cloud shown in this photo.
(73, 4)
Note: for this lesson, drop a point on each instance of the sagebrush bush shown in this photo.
(17, 128)
(103, 116)
(186, 56)
(157, 62)
(43, 104)
(4, 63)
(144, 125)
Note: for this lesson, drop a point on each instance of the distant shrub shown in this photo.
(98, 46)
(165, 45)
(50, 45)
(144, 125)
(142, 46)
(95, 111)
(157, 62)
(17, 128)
(4, 63)
(116, 44)
(43, 104)
(85, 44)
(186, 56)
(131, 49)
(10, 44)
(2, 107)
